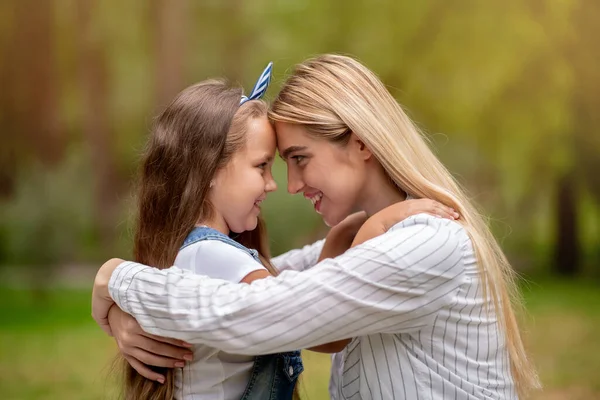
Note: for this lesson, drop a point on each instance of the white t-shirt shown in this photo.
(215, 374)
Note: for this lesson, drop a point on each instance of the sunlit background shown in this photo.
(507, 91)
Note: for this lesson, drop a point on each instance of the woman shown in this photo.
(428, 303)
(205, 172)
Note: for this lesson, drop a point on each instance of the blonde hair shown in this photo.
(332, 96)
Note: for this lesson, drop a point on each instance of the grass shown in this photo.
(51, 349)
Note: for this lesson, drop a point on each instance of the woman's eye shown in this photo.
(298, 159)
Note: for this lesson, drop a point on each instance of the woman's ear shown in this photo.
(360, 147)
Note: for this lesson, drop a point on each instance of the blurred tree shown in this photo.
(580, 173)
(170, 35)
(29, 113)
(237, 42)
(543, 122)
(508, 92)
(94, 81)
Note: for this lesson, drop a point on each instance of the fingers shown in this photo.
(144, 370)
(155, 360)
(437, 209)
(162, 349)
(446, 212)
(174, 342)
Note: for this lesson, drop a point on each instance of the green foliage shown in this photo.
(507, 92)
(49, 219)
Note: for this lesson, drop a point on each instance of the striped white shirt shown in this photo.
(411, 299)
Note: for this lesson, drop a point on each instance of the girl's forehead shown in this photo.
(260, 136)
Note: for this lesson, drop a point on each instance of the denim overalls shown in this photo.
(274, 376)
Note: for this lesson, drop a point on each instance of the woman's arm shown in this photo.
(382, 221)
(393, 283)
(357, 229)
(299, 259)
(341, 237)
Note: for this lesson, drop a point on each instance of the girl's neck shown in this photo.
(216, 222)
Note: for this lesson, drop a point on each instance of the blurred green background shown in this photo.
(507, 91)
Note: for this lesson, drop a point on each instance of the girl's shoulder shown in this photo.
(217, 259)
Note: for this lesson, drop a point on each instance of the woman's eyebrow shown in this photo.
(286, 153)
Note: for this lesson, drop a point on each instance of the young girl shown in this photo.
(206, 170)
(205, 173)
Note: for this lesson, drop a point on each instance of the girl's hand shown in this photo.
(142, 349)
(382, 221)
(395, 213)
(340, 237)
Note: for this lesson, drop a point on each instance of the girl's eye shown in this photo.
(263, 165)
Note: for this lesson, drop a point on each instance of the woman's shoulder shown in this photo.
(431, 228)
(427, 220)
(421, 245)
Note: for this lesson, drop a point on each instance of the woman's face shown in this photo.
(330, 175)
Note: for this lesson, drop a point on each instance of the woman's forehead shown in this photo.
(292, 135)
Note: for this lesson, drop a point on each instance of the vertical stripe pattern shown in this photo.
(411, 299)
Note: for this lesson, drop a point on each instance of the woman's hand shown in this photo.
(382, 221)
(101, 300)
(142, 349)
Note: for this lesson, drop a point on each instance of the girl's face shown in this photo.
(331, 176)
(243, 184)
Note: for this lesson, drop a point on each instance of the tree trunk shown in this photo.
(567, 250)
(236, 42)
(170, 33)
(32, 127)
(94, 83)
(39, 114)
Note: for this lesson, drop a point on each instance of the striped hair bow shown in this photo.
(260, 88)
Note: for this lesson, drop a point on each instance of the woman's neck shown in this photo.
(379, 193)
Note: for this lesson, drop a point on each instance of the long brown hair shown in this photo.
(195, 136)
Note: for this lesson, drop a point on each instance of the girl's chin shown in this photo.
(252, 224)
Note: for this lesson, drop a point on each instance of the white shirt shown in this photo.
(215, 374)
(411, 299)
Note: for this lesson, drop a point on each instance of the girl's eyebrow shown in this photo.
(267, 157)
